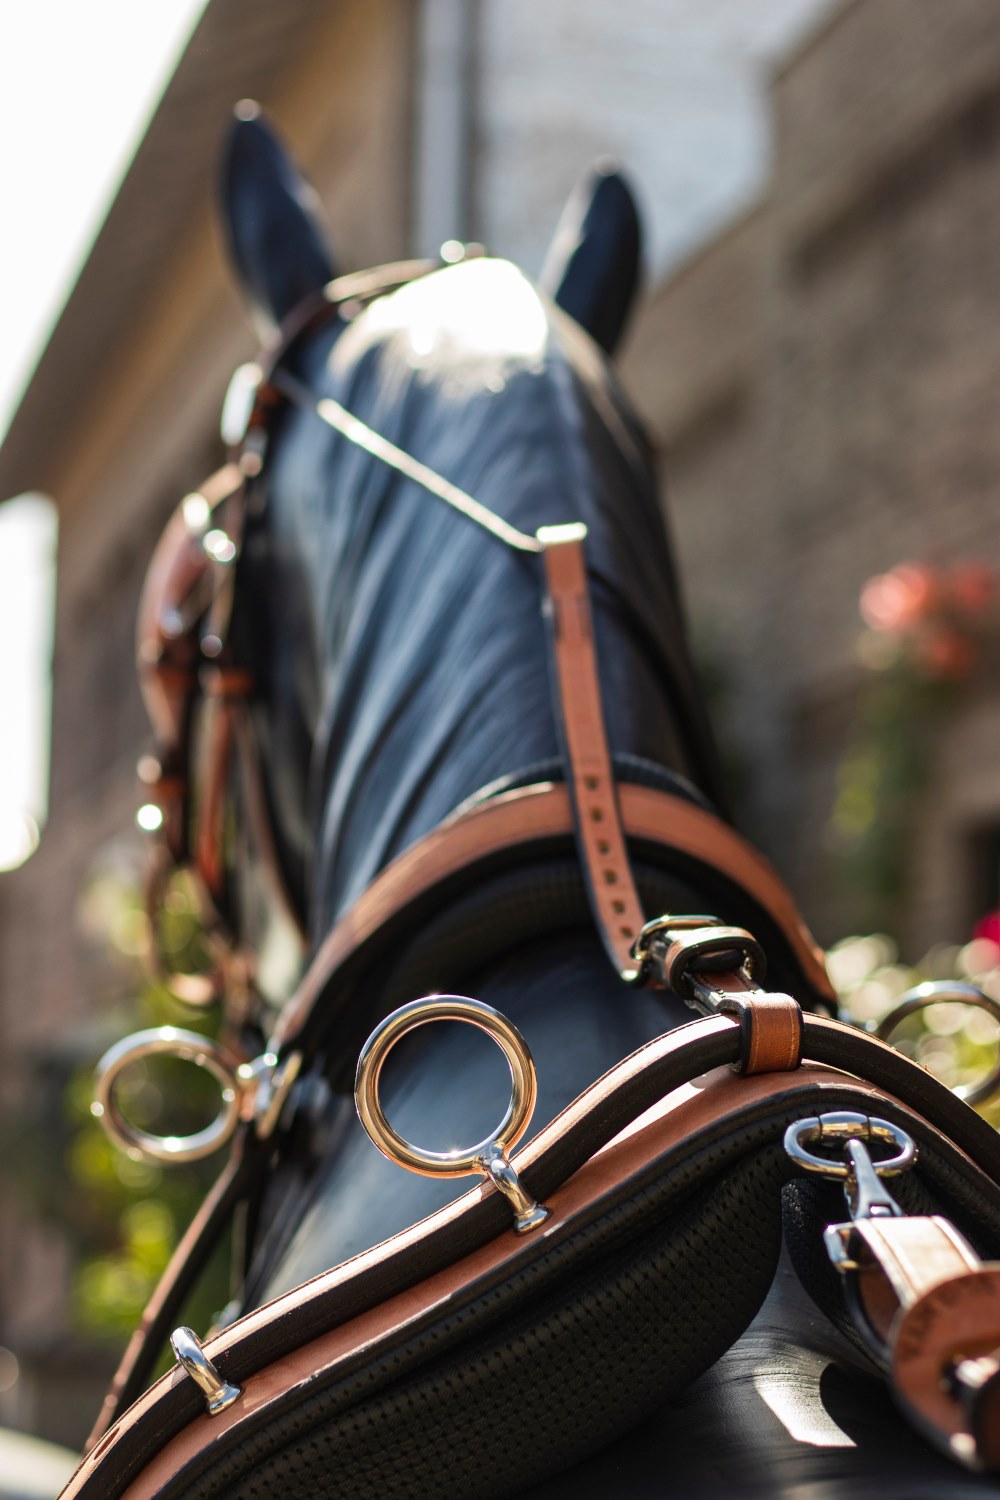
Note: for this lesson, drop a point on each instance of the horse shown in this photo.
(401, 685)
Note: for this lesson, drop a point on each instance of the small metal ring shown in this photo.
(523, 1092)
(947, 992)
(838, 1127)
(186, 1046)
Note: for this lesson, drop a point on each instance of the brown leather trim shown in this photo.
(214, 763)
(600, 840)
(538, 813)
(913, 1254)
(674, 1120)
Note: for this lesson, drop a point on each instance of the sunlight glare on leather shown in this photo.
(488, 1156)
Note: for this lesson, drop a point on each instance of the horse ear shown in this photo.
(272, 221)
(592, 268)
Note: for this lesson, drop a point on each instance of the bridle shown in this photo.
(186, 663)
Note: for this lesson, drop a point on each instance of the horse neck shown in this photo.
(432, 680)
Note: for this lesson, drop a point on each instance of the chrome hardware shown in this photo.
(840, 1127)
(867, 1196)
(195, 1362)
(677, 953)
(489, 1156)
(254, 1090)
(239, 402)
(527, 1213)
(946, 992)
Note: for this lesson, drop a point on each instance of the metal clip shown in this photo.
(866, 1194)
(489, 1157)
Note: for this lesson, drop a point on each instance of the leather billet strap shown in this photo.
(600, 839)
(641, 1112)
(177, 593)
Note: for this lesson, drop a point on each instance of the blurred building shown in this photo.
(822, 377)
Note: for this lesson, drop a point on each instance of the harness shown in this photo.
(759, 1039)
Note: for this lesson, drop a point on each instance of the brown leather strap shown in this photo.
(600, 839)
(771, 1024)
(176, 593)
(225, 688)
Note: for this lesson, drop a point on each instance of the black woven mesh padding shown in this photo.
(540, 1371)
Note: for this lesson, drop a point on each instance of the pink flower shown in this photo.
(898, 599)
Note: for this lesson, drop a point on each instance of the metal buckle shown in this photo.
(674, 952)
(254, 1090)
(488, 1156)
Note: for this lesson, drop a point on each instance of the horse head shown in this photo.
(425, 633)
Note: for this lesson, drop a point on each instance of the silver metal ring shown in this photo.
(524, 1088)
(187, 1046)
(837, 1127)
(947, 992)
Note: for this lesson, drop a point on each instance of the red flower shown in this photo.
(946, 654)
(988, 927)
(972, 586)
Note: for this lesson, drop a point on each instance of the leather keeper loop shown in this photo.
(770, 1031)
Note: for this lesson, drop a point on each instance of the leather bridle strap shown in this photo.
(600, 839)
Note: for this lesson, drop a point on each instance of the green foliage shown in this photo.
(121, 1215)
(955, 1042)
